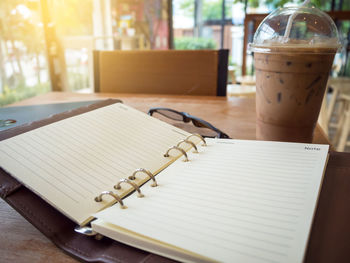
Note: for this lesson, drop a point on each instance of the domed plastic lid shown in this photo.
(303, 27)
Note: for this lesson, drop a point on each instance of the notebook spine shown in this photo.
(88, 231)
(187, 141)
(129, 181)
(132, 177)
(135, 186)
(110, 193)
(178, 149)
(198, 136)
(148, 173)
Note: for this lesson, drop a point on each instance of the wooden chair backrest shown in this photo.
(180, 72)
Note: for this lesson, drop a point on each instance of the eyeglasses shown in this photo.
(185, 117)
(8, 122)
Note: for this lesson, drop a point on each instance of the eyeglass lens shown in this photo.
(185, 117)
(199, 124)
(8, 122)
(170, 114)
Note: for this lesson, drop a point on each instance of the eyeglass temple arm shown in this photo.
(152, 110)
(221, 134)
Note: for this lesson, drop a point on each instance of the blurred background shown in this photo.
(46, 45)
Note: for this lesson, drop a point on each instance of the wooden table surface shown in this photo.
(21, 242)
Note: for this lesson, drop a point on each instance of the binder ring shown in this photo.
(179, 149)
(117, 197)
(199, 136)
(85, 230)
(132, 177)
(189, 142)
(117, 186)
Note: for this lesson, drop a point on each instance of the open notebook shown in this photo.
(243, 201)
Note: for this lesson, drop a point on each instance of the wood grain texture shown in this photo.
(21, 242)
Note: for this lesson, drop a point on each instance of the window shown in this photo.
(23, 67)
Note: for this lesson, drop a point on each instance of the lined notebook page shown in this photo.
(235, 201)
(70, 162)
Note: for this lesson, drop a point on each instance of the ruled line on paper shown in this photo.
(221, 208)
(199, 219)
(269, 161)
(172, 225)
(194, 226)
(140, 120)
(48, 171)
(70, 166)
(241, 205)
(153, 141)
(98, 155)
(88, 153)
(101, 133)
(42, 178)
(233, 201)
(261, 156)
(72, 150)
(198, 236)
(131, 151)
(225, 193)
(128, 145)
(250, 176)
(291, 156)
(53, 171)
(71, 161)
(225, 248)
(265, 185)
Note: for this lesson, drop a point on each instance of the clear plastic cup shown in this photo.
(293, 50)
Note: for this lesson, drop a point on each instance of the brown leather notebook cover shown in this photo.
(329, 239)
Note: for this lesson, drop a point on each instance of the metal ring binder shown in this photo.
(85, 230)
(142, 170)
(199, 136)
(189, 142)
(117, 186)
(117, 197)
(179, 149)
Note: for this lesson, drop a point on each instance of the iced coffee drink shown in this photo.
(292, 74)
(290, 87)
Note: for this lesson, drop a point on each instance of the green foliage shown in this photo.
(21, 38)
(194, 43)
(251, 3)
(276, 3)
(19, 28)
(212, 10)
(323, 4)
(78, 80)
(22, 92)
(347, 68)
(187, 6)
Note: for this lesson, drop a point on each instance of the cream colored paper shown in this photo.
(70, 162)
(235, 201)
